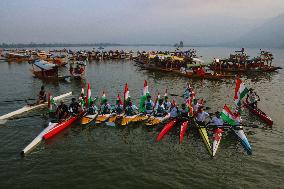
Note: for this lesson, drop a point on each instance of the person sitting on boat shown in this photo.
(252, 98)
(105, 107)
(118, 108)
(174, 110)
(217, 121)
(62, 111)
(74, 107)
(93, 109)
(167, 104)
(183, 113)
(41, 96)
(130, 108)
(187, 92)
(196, 106)
(149, 105)
(160, 109)
(201, 116)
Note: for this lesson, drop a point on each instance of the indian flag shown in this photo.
(126, 93)
(240, 92)
(143, 98)
(88, 97)
(228, 116)
(166, 93)
(120, 101)
(50, 102)
(156, 100)
(103, 97)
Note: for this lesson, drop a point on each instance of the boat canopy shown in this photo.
(44, 65)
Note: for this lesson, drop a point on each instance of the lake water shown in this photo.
(129, 157)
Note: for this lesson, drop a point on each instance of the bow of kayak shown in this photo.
(239, 132)
(61, 126)
(88, 119)
(183, 128)
(166, 129)
(204, 135)
(37, 140)
(260, 114)
(216, 140)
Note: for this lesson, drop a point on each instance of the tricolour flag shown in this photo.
(103, 97)
(240, 92)
(88, 97)
(126, 93)
(143, 98)
(228, 116)
(120, 101)
(50, 102)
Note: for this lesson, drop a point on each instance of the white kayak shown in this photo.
(239, 131)
(29, 107)
(38, 139)
(216, 140)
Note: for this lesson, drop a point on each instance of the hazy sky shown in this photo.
(132, 21)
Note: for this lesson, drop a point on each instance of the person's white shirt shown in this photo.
(201, 116)
(217, 121)
(196, 106)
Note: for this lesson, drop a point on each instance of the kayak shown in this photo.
(88, 118)
(216, 140)
(204, 135)
(140, 117)
(31, 107)
(259, 113)
(102, 118)
(239, 131)
(183, 128)
(61, 126)
(127, 119)
(37, 140)
(166, 129)
(111, 121)
(156, 120)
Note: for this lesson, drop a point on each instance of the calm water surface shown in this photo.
(129, 157)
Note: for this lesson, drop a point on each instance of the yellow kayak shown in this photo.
(204, 135)
(88, 119)
(102, 118)
(156, 120)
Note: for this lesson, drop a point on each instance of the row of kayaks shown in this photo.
(203, 132)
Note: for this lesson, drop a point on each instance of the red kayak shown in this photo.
(166, 129)
(183, 128)
(260, 114)
(61, 126)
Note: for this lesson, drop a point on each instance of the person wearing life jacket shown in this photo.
(167, 104)
(105, 107)
(130, 108)
(252, 98)
(41, 96)
(74, 107)
(62, 111)
(174, 110)
(217, 121)
(201, 116)
(183, 112)
(118, 108)
(93, 109)
(149, 105)
(188, 91)
(160, 109)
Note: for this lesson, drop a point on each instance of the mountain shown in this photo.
(269, 34)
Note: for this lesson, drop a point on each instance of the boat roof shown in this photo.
(44, 65)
